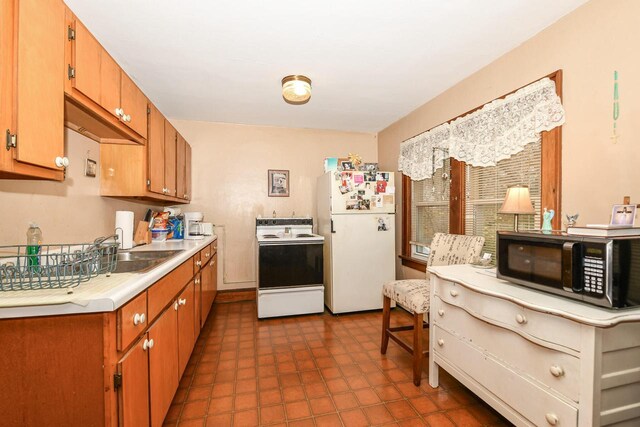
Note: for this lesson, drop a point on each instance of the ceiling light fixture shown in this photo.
(296, 89)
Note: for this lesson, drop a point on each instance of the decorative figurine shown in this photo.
(547, 216)
(572, 219)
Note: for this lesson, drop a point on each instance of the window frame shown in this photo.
(551, 183)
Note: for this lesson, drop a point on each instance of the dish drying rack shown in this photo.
(56, 266)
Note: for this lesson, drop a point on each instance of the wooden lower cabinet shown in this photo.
(186, 326)
(209, 286)
(133, 396)
(163, 364)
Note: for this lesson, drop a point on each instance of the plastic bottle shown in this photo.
(34, 244)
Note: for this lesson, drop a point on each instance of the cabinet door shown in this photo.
(133, 395)
(208, 288)
(163, 364)
(214, 277)
(40, 84)
(134, 104)
(155, 150)
(187, 171)
(170, 142)
(109, 83)
(181, 152)
(186, 326)
(86, 62)
(198, 298)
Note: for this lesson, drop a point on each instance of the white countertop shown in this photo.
(99, 294)
(485, 281)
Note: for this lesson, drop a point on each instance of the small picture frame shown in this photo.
(623, 215)
(90, 168)
(278, 183)
(371, 167)
(347, 166)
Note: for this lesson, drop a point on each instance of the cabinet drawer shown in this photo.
(533, 402)
(550, 328)
(206, 254)
(132, 319)
(549, 368)
(165, 290)
(214, 247)
(197, 263)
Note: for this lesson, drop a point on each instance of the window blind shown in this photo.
(486, 188)
(430, 206)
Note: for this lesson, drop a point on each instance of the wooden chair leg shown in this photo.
(386, 321)
(417, 348)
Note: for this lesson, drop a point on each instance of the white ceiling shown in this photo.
(371, 61)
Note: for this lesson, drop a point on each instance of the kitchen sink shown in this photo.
(142, 261)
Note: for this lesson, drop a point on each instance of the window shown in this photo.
(485, 189)
(429, 210)
(468, 201)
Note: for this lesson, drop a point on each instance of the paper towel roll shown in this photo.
(124, 229)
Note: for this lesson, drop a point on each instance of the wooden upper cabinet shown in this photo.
(163, 364)
(155, 150)
(134, 105)
(86, 53)
(181, 151)
(109, 83)
(187, 171)
(39, 107)
(170, 143)
(133, 395)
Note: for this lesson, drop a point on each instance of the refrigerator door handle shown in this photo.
(332, 230)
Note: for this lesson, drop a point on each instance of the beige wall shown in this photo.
(69, 211)
(588, 45)
(230, 164)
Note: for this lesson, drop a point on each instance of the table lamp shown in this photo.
(517, 202)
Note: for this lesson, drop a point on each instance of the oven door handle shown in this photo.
(332, 230)
(571, 268)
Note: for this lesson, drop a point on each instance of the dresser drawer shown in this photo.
(132, 319)
(197, 263)
(534, 403)
(205, 255)
(549, 368)
(214, 247)
(165, 290)
(553, 329)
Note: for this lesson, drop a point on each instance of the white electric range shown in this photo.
(290, 267)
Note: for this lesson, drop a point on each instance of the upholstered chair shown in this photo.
(413, 295)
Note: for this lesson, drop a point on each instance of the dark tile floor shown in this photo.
(314, 370)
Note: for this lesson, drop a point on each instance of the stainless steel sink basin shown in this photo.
(141, 261)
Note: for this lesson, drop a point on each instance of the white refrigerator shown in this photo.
(356, 217)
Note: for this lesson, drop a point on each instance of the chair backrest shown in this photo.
(450, 249)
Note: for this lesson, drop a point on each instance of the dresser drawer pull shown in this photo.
(147, 344)
(556, 371)
(182, 301)
(138, 319)
(441, 312)
(552, 419)
(521, 319)
(198, 263)
(197, 281)
(453, 293)
(207, 255)
(440, 342)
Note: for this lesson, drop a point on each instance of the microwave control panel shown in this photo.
(593, 274)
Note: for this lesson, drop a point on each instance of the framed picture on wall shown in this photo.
(278, 183)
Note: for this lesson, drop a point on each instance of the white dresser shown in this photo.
(536, 358)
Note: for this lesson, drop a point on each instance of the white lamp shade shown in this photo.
(517, 201)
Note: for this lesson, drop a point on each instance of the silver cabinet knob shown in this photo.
(441, 312)
(198, 263)
(556, 371)
(551, 418)
(175, 306)
(126, 118)
(521, 319)
(207, 254)
(62, 162)
(453, 293)
(119, 112)
(151, 343)
(182, 301)
(197, 281)
(440, 342)
(147, 344)
(138, 318)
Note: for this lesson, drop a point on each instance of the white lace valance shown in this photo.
(492, 133)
